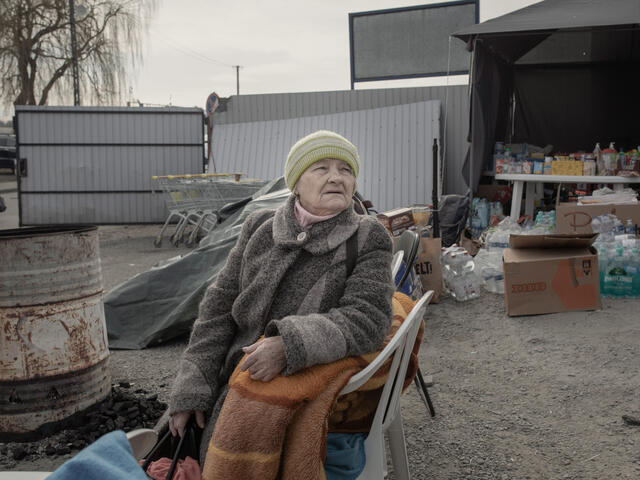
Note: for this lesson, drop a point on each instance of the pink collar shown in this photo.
(306, 219)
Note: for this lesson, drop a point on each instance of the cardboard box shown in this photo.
(396, 221)
(489, 192)
(574, 218)
(551, 273)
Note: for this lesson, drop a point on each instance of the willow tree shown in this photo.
(36, 55)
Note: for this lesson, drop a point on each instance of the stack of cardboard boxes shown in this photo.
(546, 273)
(551, 273)
(574, 218)
(557, 273)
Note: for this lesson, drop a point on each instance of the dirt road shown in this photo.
(539, 397)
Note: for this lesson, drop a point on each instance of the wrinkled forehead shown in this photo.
(336, 161)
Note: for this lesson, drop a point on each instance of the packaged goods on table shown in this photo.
(588, 165)
(608, 161)
(565, 165)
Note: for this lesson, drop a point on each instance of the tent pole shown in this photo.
(471, 94)
(434, 191)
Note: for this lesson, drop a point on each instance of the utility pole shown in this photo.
(237, 67)
(74, 54)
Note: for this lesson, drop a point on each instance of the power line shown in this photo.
(192, 53)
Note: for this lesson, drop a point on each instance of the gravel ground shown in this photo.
(539, 397)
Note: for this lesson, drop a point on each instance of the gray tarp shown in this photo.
(162, 303)
(559, 72)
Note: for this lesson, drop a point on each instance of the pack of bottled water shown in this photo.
(618, 257)
(497, 238)
(488, 266)
(458, 274)
(483, 213)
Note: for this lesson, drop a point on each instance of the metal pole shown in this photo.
(434, 191)
(74, 54)
(237, 67)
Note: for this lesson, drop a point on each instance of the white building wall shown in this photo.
(278, 106)
(394, 143)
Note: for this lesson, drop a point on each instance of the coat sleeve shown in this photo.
(359, 322)
(196, 383)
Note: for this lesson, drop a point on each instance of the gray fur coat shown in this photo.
(280, 279)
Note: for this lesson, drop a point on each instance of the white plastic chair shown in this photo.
(396, 262)
(387, 417)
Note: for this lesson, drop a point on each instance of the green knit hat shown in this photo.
(317, 146)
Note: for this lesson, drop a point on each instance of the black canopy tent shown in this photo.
(559, 72)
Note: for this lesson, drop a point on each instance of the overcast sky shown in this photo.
(281, 46)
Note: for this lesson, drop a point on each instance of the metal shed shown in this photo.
(454, 100)
(93, 165)
(394, 143)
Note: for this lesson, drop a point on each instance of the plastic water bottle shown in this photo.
(464, 282)
(483, 213)
(596, 227)
(493, 279)
(635, 271)
(603, 264)
(629, 227)
(495, 210)
(476, 224)
(617, 282)
(546, 221)
(446, 270)
(497, 240)
(456, 287)
(607, 232)
(618, 227)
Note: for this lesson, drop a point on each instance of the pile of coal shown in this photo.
(124, 410)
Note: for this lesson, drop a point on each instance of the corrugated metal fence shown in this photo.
(279, 106)
(394, 143)
(94, 164)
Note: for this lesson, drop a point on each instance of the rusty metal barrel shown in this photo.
(53, 339)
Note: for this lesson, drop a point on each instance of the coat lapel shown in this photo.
(320, 238)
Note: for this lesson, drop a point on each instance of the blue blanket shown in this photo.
(108, 458)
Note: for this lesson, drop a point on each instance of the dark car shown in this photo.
(8, 153)
(8, 159)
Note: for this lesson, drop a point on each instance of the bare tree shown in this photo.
(36, 55)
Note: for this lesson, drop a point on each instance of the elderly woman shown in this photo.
(287, 279)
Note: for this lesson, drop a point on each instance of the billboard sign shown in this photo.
(410, 42)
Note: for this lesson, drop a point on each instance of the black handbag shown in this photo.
(176, 448)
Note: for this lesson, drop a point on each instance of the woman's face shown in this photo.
(326, 187)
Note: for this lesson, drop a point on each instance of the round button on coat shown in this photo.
(302, 236)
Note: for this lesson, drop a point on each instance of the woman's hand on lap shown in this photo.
(265, 359)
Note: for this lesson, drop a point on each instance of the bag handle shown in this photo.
(188, 431)
(160, 443)
(176, 456)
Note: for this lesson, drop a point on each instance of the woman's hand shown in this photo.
(265, 359)
(178, 421)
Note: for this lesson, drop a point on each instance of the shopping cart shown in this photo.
(194, 200)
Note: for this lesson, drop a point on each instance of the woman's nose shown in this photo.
(334, 175)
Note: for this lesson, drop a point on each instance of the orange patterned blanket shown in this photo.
(279, 429)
